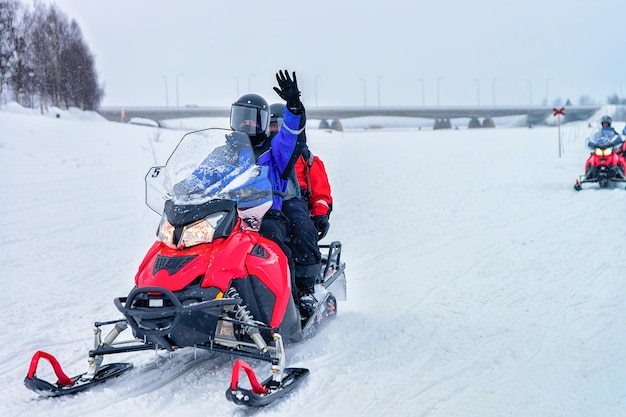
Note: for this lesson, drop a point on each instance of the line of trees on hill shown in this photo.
(44, 60)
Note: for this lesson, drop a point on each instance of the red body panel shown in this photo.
(220, 262)
(273, 271)
(604, 161)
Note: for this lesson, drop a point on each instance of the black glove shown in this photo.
(288, 90)
(322, 225)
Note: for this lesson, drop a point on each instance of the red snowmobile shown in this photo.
(605, 165)
(210, 281)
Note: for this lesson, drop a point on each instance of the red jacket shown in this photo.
(314, 185)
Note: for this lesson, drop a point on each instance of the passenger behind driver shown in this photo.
(307, 213)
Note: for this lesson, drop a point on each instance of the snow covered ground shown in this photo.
(479, 283)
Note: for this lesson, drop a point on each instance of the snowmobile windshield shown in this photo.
(603, 138)
(210, 164)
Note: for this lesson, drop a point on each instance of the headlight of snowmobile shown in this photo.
(201, 231)
(604, 152)
(166, 232)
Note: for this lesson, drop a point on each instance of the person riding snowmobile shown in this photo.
(608, 131)
(315, 187)
(250, 113)
(277, 112)
(312, 178)
(307, 214)
(607, 155)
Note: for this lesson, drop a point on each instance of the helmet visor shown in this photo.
(250, 120)
(275, 124)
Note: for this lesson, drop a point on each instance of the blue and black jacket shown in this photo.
(281, 153)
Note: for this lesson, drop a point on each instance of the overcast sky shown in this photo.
(355, 52)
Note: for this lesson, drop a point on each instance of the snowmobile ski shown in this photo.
(267, 392)
(66, 385)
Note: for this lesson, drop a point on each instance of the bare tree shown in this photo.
(614, 99)
(79, 80)
(44, 59)
(8, 15)
(41, 55)
(56, 27)
(21, 79)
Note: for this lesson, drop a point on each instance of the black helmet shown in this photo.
(606, 119)
(250, 114)
(277, 111)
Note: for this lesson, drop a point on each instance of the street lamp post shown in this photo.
(249, 77)
(177, 75)
(494, 91)
(167, 101)
(316, 78)
(477, 92)
(438, 81)
(380, 77)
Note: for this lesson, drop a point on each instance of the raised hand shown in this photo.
(288, 90)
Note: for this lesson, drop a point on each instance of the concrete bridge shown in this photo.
(441, 115)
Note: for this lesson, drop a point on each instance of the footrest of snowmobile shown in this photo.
(326, 310)
(262, 394)
(66, 385)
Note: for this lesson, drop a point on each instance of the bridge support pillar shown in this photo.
(336, 125)
(488, 122)
(473, 123)
(442, 124)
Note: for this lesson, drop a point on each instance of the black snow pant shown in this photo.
(302, 243)
(275, 226)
